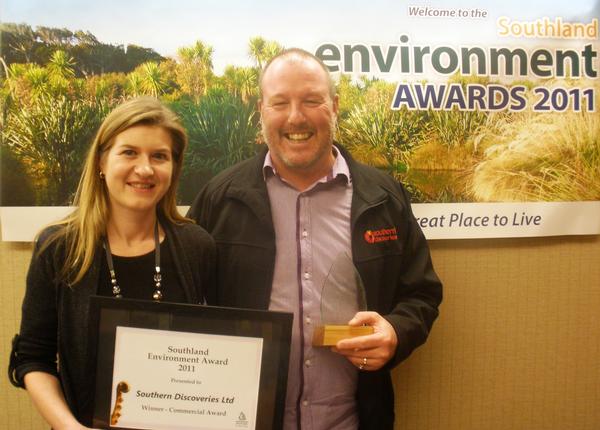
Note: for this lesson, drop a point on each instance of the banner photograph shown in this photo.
(487, 113)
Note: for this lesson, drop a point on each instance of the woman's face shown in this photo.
(138, 169)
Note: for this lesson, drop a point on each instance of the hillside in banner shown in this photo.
(22, 44)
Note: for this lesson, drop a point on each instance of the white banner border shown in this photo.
(438, 220)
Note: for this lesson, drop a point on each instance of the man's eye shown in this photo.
(312, 102)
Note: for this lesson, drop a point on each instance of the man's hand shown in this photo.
(369, 352)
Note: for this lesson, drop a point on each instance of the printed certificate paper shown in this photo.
(166, 379)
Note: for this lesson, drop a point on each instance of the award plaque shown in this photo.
(342, 296)
(179, 366)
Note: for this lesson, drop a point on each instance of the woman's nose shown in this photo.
(143, 168)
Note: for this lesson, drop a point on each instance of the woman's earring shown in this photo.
(101, 175)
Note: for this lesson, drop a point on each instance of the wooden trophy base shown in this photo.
(329, 335)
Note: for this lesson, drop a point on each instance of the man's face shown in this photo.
(298, 117)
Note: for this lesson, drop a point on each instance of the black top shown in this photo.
(54, 335)
(135, 276)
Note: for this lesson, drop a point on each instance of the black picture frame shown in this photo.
(107, 313)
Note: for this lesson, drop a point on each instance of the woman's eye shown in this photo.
(161, 156)
(128, 152)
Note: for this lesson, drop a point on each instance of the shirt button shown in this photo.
(306, 275)
(308, 320)
(308, 363)
(305, 403)
(304, 233)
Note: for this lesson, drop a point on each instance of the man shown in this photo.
(280, 220)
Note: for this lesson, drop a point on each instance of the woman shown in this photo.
(125, 223)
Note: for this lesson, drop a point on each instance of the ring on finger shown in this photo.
(362, 365)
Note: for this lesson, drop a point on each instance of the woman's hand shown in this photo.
(47, 396)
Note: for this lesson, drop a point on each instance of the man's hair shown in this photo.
(297, 54)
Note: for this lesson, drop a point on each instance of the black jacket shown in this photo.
(55, 316)
(388, 248)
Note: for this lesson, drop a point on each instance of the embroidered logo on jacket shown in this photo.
(383, 235)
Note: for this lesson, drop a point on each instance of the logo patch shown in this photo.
(383, 235)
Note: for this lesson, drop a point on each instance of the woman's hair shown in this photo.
(86, 225)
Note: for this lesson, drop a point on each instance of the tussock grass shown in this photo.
(381, 137)
(431, 154)
(539, 157)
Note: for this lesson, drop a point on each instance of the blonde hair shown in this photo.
(86, 225)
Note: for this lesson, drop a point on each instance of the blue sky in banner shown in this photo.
(228, 25)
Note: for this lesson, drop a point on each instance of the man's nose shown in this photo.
(296, 115)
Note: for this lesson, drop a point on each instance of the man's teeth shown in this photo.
(298, 136)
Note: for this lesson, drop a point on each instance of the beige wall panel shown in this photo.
(16, 411)
(517, 344)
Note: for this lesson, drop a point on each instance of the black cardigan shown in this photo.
(55, 316)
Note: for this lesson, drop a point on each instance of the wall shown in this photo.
(517, 345)
(16, 411)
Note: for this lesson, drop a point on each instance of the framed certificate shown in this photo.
(180, 366)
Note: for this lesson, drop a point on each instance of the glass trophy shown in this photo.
(342, 296)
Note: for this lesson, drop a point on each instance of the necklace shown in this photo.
(116, 290)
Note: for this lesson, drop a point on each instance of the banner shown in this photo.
(485, 111)
(437, 220)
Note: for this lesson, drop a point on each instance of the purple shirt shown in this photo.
(312, 228)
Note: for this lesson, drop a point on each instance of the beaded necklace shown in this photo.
(116, 290)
